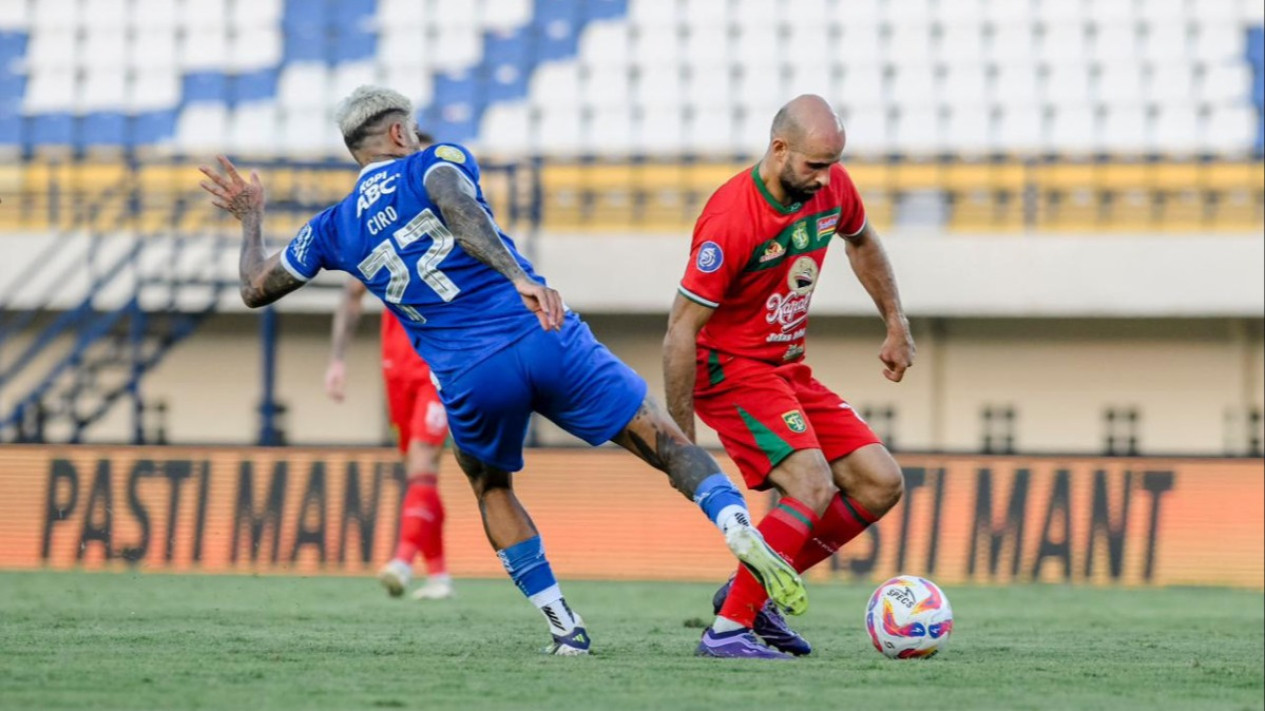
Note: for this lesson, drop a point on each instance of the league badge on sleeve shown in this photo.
(710, 257)
(450, 154)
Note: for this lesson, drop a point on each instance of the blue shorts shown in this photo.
(567, 376)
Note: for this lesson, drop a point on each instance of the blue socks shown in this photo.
(722, 502)
(529, 569)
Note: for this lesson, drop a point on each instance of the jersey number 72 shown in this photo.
(386, 255)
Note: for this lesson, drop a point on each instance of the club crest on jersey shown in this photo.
(826, 225)
(800, 236)
(792, 352)
(710, 257)
(794, 421)
(773, 251)
(802, 276)
(450, 154)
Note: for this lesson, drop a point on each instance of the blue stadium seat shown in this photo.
(351, 45)
(1256, 46)
(10, 128)
(556, 24)
(506, 65)
(302, 17)
(152, 127)
(12, 87)
(12, 46)
(102, 129)
(205, 86)
(605, 9)
(255, 86)
(353, 13)
(53, 129)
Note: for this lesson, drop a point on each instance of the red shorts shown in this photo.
(416, 412)
(764, 412)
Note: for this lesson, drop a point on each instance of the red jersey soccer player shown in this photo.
(735, 347)
(421, 427)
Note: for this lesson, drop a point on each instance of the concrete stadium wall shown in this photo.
(1186, 376)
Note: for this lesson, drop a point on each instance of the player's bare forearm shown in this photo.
(346, 318)
(470, 225)
(680, 345)
(874, 271)
(263, 279)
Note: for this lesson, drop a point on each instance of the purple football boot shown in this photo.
(738, 644)
(769, 624)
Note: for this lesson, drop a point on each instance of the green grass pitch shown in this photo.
(119, 640)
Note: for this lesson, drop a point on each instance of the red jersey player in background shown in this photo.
(421, 427)
(734, 352)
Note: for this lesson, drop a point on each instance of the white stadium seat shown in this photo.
(347, 76)
(755, 46)
(1218, 43)
(1176, 131)
(1120, 84)
(965, 85)
(762, 14)
(1008, 43)
(559, 131)
(608, 88)
(814, 78)
(659, 86)
(660, 131)
(252, 128)
(53, 48)
(457, 47)
(254, 48)
(908, 43)
(104, 88)
(555, 82)
(250, 14)
(204, 49)
(961, 43)
(964, 12)
(606, 44)
(1170, 84)
(104, 47)
(918, 131)
(1224, 84)
(1114, 41)
(759, 85)
(1063, 42)
(154, 89)
(710, 131)
(1165, 42)
(154, 14)
(506, 128)
(51, 90)
(657, 48)
(415, 82)
(804, 46)
(14, 16)
(1112, 11)
(505, 14)
(609, 132)
(1067, 84)
(401, 13)
(306, 133)
(304, 86)
(151, 49)
(203, 15)
(709, 86)
(104, 15)
(863, 85)
(1015, 85)
(1125, 130)
(1229, 128)
(914, 86)
(706, 44)
(405, 45)
(202, 128)
(868, 130)
(1020, 129)
(54, 15)
(1073, 129)
(969, 129)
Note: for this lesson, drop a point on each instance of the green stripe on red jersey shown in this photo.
(808, 234)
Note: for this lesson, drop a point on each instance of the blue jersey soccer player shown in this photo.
(501, 344)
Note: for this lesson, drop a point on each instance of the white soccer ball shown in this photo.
(908, 617)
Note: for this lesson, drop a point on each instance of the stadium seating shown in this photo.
(957, 80)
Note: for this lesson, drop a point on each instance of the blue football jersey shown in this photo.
(389, 235)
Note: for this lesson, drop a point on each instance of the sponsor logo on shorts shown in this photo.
(800, 236)
(794, 421)
(450, 154)
(826, 225)
(710, 257)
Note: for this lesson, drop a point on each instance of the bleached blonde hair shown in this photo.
(358, 113)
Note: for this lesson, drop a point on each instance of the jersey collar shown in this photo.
(768, 196)
(375, 166)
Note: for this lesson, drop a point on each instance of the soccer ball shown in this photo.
(908, 617)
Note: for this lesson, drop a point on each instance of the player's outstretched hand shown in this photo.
(336, 380)
(897, 354)
(230, 192)
(546, 303)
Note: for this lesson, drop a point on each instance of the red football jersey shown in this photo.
(756, 262)
(399, 358)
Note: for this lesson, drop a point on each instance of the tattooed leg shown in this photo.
(654, 437)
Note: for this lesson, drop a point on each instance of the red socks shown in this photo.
(843, 520)
(422, 523)
(787, 527)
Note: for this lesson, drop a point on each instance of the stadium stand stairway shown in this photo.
(138, 296)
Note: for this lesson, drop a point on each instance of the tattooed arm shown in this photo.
(472, 228)
(263, 278)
